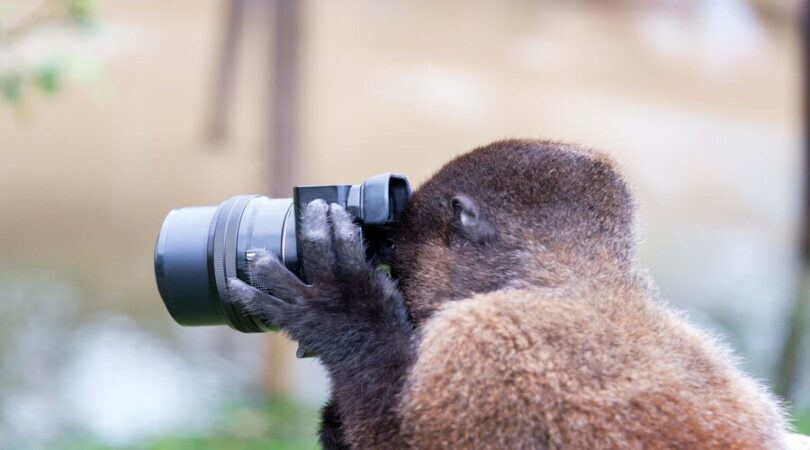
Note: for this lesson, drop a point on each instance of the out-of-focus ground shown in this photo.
(698, 101)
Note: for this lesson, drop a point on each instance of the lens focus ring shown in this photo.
(223, 258)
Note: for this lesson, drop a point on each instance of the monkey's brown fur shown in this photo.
(553, 338)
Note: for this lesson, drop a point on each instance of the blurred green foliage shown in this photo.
(273, 425)
(802, 422)
(47, 77)
(11, 86)
(82, 12)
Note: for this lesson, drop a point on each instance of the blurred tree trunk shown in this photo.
(226, 71)
(280, 125)
(790, 360)
(282, 148)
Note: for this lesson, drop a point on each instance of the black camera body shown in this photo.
(200, 248)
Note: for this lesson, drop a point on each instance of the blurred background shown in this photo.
(112, 113)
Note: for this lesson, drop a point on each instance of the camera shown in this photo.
(200, 248)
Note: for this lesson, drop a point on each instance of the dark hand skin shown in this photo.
(351, 316)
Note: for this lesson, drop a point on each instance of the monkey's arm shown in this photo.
(351, 316)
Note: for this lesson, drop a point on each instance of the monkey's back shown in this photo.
(553, 368)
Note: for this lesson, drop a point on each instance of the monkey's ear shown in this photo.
(469, 220)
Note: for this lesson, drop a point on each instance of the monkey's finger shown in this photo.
(317, 253)
(271, 310)
(267, 273)
(348, 241)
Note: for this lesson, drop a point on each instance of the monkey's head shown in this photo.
(513, 213)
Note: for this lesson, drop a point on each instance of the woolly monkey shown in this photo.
(515, 318)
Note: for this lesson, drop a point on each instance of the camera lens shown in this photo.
(199, 248)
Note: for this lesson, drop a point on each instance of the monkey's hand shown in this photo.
(349, 311)
(351, 316)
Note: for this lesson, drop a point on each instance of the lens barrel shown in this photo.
(199, 248)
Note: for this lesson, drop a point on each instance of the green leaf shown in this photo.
(11, 86)
(82, 11)
(48, 78)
